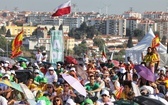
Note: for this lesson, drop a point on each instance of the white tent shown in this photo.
(135, 52)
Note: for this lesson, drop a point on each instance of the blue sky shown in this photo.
(114, 6)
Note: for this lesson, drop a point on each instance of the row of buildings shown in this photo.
(113, 27)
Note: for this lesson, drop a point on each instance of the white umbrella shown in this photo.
(75, 84)
(29, 95)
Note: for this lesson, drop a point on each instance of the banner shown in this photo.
(56, 46)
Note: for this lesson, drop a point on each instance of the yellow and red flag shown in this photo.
(155, 41)
(16, 45)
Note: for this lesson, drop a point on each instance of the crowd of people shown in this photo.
(105, 83)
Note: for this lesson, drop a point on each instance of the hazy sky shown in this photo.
(114, 6)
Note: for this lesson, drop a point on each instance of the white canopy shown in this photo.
(135, 52)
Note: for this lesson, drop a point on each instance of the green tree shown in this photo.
(3, 44)
(80, 49)
(164, 39)
(3, 30)
(138, 32)
(8, 33)
(90, 32)
(83, 27)
(130, 44)
(42, 48)
(99, 42)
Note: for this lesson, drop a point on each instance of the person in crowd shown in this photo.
(142, 81)
(31, 85)
(23, 64)
(149, 60)
(57, 101)
(162, 84)
(67, 92)
(127, 89)
(129, 71)
(121, 72)
(130, 61)
(5, 90)
(70, 102)
(72, 72)
(92, 88)
(59, 71)
(50, 91)
(100, 81)
(44, 56)
(51, 75)
(13, 76)
(135, 78)
(3, 101)
(90, 68)
(37, 77)
(87, 101)
(114, 83)
(39, 56)
(85, 59)
(109, 64)
(155, 58)
(105, 98)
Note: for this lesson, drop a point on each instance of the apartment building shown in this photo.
(153, 14)
(69, 43)
(73, 22)
(17, 29)
(162, 27)
(128, 14)
(132, 24)
(116, 26)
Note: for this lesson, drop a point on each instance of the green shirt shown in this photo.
(109, 65)
(90, 87)
(59, 71)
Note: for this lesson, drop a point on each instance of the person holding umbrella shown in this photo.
(67, 92)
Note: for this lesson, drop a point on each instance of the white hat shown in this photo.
(44, 51)
(148, 88)
(8, 72)
(51, 68)
(105, 92)
(122, 70)
(70, 102)
(6, 75)
(13, 72)
(37, 71)
(58, 64)
(73, 69)
(7, 62)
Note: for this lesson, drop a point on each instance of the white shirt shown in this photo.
(51, 78)
(100, 102)
(39, 57)
(158, 98)
(3, 101)
(44, 58)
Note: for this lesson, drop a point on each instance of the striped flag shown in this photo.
(16, 45)
(155, 41)
(63, 9)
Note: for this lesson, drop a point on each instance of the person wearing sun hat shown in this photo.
(51, 75)
(87, 101)
(42, 84)
(105, 98)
